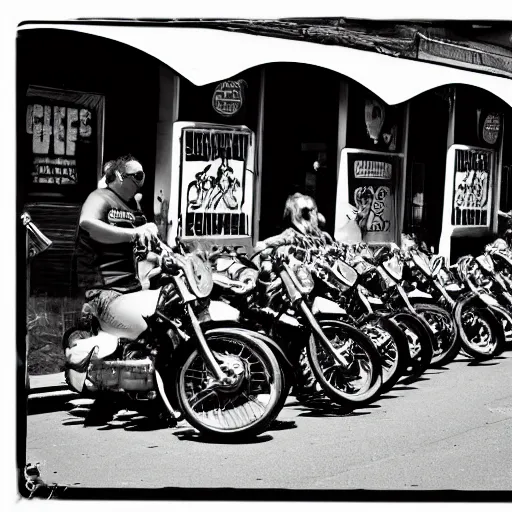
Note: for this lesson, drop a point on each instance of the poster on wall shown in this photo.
(216, 181)
(55, 132)
(62, 142)
(371, 189)
(472, 193)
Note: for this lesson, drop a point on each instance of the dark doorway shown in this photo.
(426, 168)
(300, 128)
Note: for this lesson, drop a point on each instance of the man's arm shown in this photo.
(93, 211)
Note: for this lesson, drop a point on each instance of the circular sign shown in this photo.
(491, 128)
(228, 97)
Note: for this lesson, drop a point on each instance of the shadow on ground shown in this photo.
(190, 434)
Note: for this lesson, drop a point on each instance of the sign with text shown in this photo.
(216, 181)
(228, 97)
(472, 195)
(55, 132)
(491, 128)
(369, 184)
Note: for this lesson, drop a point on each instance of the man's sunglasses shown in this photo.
(137, 176)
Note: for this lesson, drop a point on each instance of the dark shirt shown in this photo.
(101, 265)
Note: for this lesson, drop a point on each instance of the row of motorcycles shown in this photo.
(232, 336)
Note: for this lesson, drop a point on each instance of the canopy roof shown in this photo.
(395, 60)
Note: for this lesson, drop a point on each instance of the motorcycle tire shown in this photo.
(481, 332)
(240, 410)
(364, 370)
(287, 373)
(504, 317)
(391, 343)
(419, 341)
(448, 346)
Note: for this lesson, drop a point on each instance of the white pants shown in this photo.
(121, 317)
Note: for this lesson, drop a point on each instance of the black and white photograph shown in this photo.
(262, 257)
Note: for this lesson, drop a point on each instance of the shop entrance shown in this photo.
(428, 129)
(299, 142)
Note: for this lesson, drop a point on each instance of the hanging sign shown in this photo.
(228, 97)
(491, 128)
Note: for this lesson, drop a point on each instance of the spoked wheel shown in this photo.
(241, 408)
(505, 318)
(446, 334)
(419, 340)
(480, 331)
(355, 384)
(507, 330)
(391, 343)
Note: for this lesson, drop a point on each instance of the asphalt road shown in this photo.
(452, 430)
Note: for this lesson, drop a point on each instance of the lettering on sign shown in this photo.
(228, 97)
(55, 131)
(206, 145)
(372, 169)
(60, 171)
(491, 128)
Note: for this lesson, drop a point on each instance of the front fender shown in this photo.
(240, 328)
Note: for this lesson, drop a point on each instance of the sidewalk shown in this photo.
(48, 393)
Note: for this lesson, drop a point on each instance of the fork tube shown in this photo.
(364, 300)
(203, 346)
(444, 293)
(321, 335)
(402, 293)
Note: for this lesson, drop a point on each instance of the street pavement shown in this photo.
(451, 430)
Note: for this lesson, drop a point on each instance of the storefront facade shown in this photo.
(223, 152)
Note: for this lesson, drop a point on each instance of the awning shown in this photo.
(206, 55)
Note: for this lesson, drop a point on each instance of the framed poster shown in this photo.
(62, 142)
(471, 175)
(370, 184)
(213, 195)
(472, 190)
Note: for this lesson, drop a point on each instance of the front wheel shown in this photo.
(391, 343)
(420, 342)
(243, 408)
(481, 333)
(446, 334)
(360, 381)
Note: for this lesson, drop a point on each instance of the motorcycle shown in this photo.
(224, 382)
(447, 343)
(341, 283)
(479, 276)
(479, 330)
(383, 276)
(283, 305)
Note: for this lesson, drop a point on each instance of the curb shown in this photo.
(40, 403)
(48, 393)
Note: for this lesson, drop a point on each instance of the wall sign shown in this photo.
(472, 188)
(371, 189)
(491, 128)
(216, 186)
(56, 131)
(228, 97)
